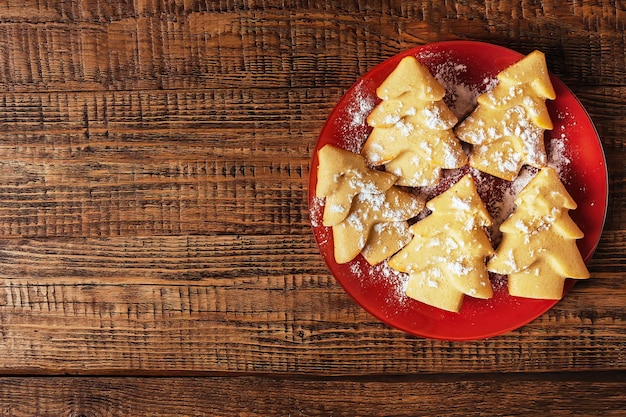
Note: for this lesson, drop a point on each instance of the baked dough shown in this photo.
(507, 127)
(412, 127)
(538, 249)
(377, 226)
(446, 257)
(341, 176)
(366, 212)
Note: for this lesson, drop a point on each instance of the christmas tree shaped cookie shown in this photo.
(341, 175)
(367, 213)
(507, 127)
(538, 249)
(376, 226)
(446, 257)
(412, 127)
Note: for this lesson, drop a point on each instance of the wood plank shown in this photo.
(552, 394)
(103, 164)
(278, 113)
(213, 196)
(85, 45)
(189, 259)
(272, 112)
(163, 162)
(257, 304)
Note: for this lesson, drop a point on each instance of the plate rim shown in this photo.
(415, 51)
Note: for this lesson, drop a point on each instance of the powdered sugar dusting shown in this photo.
(316, 211)
(397, 281)
(498, 195)
(460, 96)
(352, 124)
(361, 107)
(558, 157)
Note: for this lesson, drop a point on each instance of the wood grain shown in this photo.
(154, 164)
(255, 303)
(553, 394)
(86, 45)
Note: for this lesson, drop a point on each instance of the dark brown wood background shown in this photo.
(156, 256)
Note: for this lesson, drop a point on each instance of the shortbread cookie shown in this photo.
(446, 257)
(507, 127)
(341, 175)
(538, 249)
(412, 127)
(376, 225)
(385, 239)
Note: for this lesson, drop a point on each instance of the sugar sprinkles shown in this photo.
(460, 96)
(353, 124)
(557, 155)
(397, 281)
(498, 195)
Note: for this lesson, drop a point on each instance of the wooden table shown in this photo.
(156, 256)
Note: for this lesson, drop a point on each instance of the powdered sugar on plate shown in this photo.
(316, 211)
(362, 106)
(558, 155)
(396, 280)
(452, 75)
(498, 195)
(352, 123)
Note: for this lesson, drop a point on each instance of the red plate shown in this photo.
(466, 69)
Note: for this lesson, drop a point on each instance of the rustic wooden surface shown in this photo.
(156, 256)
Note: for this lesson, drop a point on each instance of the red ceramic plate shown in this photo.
(465, 69)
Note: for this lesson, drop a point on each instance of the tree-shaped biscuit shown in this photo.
(446, 257)
(412, 127)
(538, 249)
(377, 226)
(507, 127)
(341, 175)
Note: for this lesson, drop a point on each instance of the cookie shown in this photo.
(538, 249)
(507, 127)
(341, 175)
(446, 256)
(412, 134)
(377, 226)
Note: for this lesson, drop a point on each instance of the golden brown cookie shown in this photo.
(446, 257)
(341, 175)
(538, 249)
(507, 127)
(412, 127)
(377, 226)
